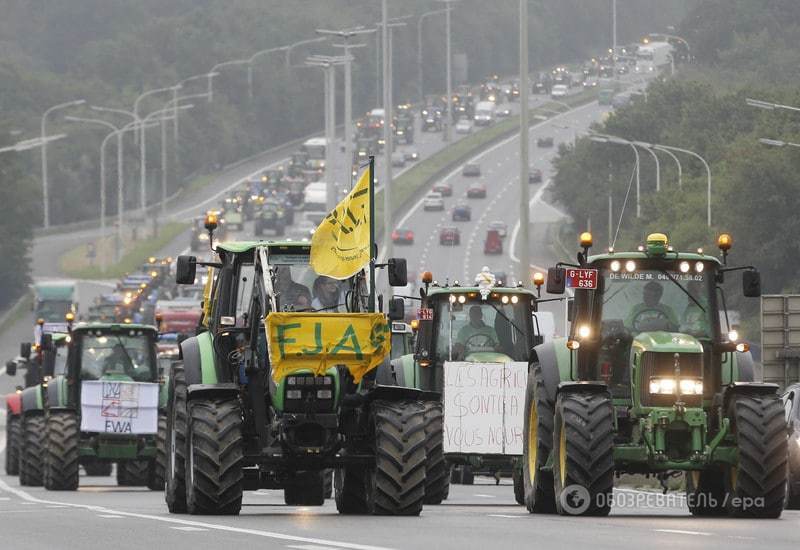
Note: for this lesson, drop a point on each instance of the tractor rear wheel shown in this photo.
(519, 485)
(583, 454)
(175, 444)
(31, 451)
(399, 488)
(757, 485)
(354, 489)
(132, 473)
(328, 491)
(214, 457)
(61, 467)
(306, 489)
(539, 492)
(437, 475)
(12, 445)
(705, 492)
(155, 480)
(97, 468)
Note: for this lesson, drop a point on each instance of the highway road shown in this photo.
(101, 515)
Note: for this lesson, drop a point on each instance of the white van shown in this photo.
(484, 113)
(315, 196)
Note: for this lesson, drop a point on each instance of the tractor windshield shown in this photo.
(53, 311)
(129, 353)
(499, 325)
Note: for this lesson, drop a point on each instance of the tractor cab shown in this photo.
(122, 352)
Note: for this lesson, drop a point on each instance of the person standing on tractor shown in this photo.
(651, 314)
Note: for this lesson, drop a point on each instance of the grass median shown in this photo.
(76, 262)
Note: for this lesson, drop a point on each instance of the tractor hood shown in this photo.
(666, 342)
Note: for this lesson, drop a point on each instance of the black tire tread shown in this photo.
(175, 485)
(12, 444)
(133, 473)
(61, 466)
(158, 468)
(31, 451)
(437, 473)
(541, 498)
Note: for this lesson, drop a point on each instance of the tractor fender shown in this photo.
(32, 399)
(554, 363)
(14, 403)
(747, 388)
(397, 372)
(205, 390)
(57, 396)
(582, 387)
(199, 363)
(395, 393)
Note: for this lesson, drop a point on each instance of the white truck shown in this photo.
(653, 57)
(315, 147)
(315, 196)
(484, 113)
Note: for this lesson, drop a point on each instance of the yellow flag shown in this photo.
(319, 341)
(340, 245)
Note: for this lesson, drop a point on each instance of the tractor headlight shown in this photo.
(324, 394)
(667, 386)
(294, 394)
(584, 331)
(691, 387)
(630, 266)
(662, 386)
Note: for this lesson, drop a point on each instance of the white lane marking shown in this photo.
(110, 516)
(505, 516)
(187, 528)
(310, 547)
(481, 495)
(682, 532)
(502, 143)
(31, 500)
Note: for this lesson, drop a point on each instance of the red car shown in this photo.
(450, 236)
(493, 243)
(402, 236)
(445, 189)
(476, 191)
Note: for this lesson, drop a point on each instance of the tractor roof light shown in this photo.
(538, 279)
(69, 317)
(742, 347)
(211, 221)
(427, 277)
(657, 244)
(586, 239)
(415, 324)
(724, 242)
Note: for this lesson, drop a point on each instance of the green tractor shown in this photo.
(281, 388)
(472, 349)
(646, 383)
(102, 403)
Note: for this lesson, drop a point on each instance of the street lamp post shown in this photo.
(778, 143)
(290, 47)
(252, 60)
(28, 144)
(524, 146)
(677, 163)
(602, 138)
(448, 121)
(146, 94)
(214, 72)
(44, 140)
(422, 17)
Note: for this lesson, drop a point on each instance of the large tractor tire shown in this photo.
(98, 468)
(12, 445)
(757, 486)
(157, 476)
(305, 489)
(399, 488)
(31, 451)
(133, 473)
(583, 454)
(214, 457)
(437, 474)
(538, 489)
(328, 491)
(175, 443)
(62, 436)
(705, 493)
(519, 485)
(353, 490)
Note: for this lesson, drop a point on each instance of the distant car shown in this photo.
(463, 126)
(544, 141)
(590, 83)
(534, 175)
(505, 112)
(476, 191)
(501, 228)
(411, 155)
(462, 212)
(450, 236)
(493, 243)
(433, 201)
(443, 188)
(559, 90)
(471, 169)
(402, 235)
(398, 159)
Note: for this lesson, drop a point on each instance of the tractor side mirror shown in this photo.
(397, 309)
(422, 352)
(25, 350)
(186, 270)
(556, 280)
(398, 272)
(11, 368)
(751, 284)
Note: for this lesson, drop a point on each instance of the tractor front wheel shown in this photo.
(583, 453)
(399, 488)
(61, 467)
(353, 490)
(214, 457)
(756, 487)
(437, 476)
(31, 451)
(539, 492)
(155, 480)
(175, 442)
(12, 444)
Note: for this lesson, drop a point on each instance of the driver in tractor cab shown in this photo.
(117, 360)
(651, 314)
(293, 296)
(476, 330)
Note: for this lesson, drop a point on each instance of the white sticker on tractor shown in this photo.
(110, 406)
(484, 407)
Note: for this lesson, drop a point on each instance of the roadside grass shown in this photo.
(75, 262)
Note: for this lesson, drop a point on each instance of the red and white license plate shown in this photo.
(582, 278)
(425, 314)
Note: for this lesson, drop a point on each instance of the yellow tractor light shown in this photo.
(40, 321)
(154, 274)
(538, 279)
(657, 244)
(573, 345)
(586, 239)
(151, 260)
(724, 242)
(211, 221)
(414, 324)
(69, 317)
(427, 277)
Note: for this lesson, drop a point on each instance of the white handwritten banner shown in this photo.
(113, 406)
(484, 407)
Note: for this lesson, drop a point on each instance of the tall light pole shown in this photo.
(387, 134)
(448, 120)
(215, 71)
(28, 144)
(524, 90)
(251, 61)
(677, 163)
(421, 88)
(290, 47)
(614, 38)
(44, 140)
(778, 143)
(602, 138)
(770, 106)
(148, 93)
